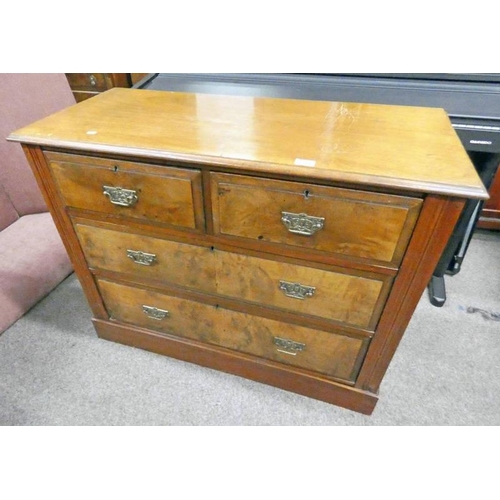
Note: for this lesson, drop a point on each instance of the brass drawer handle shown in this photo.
(155, 313)
(93, 80)
(296, 290)
(120, 196)
(142, 258)
(288, 346)
(303, 224)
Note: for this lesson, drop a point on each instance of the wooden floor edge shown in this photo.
(239, 364)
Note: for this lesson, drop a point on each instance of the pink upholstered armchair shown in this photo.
(33, 259)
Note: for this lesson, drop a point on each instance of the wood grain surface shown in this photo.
(252, 208)
(339, 296)
(41, 171)
(332, 354)
(345, 296)
(175, 263)
(163, 196)
(410, 148)
(436, 224)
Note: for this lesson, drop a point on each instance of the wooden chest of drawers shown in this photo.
(285, 241)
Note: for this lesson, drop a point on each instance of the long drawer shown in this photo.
(170, 196)
(350, 297)
(334, 355)
(355, 224)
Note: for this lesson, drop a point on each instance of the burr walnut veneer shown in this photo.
(285, 241)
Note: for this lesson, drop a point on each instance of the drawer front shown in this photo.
(355, 300)
(334, 355)
(342, 296)
(88, 81)
(145, 257)
(357, 224)
(169, 196)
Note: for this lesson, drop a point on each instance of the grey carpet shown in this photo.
(55, 371)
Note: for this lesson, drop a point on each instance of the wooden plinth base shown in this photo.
(284, 377)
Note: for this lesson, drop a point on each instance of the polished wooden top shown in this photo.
(412, 148)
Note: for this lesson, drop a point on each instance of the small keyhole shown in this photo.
(306, 194)
(115, 168)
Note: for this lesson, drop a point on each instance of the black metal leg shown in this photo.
(453, 255)
(437, 291)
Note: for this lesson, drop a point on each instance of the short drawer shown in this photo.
(356, 224)
(164, 195)
(89, 81)
(335, 355)
(145, 257)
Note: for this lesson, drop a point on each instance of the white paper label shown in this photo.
(302, 162)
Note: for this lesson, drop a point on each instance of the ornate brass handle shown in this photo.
(288, 346)
(155, 313)
(120, 196)
(296, 290)
(142, 258)
(93, 80)
(303, 224)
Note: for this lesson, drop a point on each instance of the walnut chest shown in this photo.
(285, 241)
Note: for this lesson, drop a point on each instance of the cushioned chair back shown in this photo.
(8, 213)
(25, 98)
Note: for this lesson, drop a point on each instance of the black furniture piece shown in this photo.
(472, 101)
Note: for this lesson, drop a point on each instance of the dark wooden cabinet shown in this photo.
(284, 241)
(86, 85)
(490, 215)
